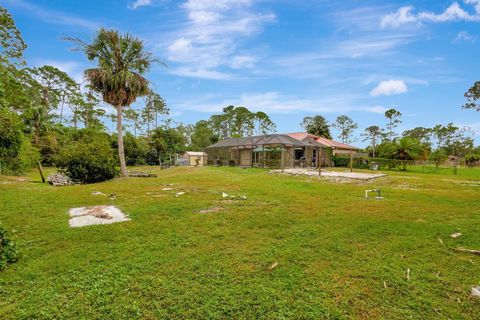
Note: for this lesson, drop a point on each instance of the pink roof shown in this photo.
(327, 142)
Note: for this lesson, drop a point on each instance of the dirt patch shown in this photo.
(86, 216)
(212, 210)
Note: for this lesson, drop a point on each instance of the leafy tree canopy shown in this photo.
(317, 125)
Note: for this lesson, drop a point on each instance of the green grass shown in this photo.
(445, 171)
(334, 249)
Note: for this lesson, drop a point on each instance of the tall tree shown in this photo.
(154, 107)
(317, 125)
(264, 124)
(472, 96)
(158, 106)
(420, 133)
(393, 117)
(202, 136)
(11, 41)
(444, 134)
(118, 77)
(132, 115)
(374, 134)
(240, 122)
(46, 85)
(346, 126)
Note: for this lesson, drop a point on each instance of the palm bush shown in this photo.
(405, 149)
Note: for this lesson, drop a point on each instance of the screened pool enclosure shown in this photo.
(267, 151)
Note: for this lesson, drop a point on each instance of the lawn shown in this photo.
(339, 256)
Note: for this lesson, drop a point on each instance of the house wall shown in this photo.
(192, 160)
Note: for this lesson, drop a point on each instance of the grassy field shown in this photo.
(339, 256)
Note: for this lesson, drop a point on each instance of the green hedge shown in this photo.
(344, 162)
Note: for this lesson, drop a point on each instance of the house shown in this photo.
(195, 158)
(276, 150)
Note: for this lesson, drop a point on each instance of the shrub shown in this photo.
(344, 162)
(438, 156)
(88, 162)
(8, 249)
(471, 160)
(16, 152)
(136, 150)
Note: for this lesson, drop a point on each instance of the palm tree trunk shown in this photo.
(121, 151)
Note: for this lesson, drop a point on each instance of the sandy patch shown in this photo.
(331, 174)
(86, 216)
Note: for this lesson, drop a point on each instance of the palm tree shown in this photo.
(118, 77)
(406, 149)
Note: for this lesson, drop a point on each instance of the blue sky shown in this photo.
(287, 58)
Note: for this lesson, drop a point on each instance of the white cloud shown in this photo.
(210, 40)
(389, 87)
(454, 12)
(139, 3)
(200, 73)
(376, 109)
(52, 16)
(465, 36)
(274, 102)
(243, 61)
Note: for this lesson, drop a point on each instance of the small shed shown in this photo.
(194, 158)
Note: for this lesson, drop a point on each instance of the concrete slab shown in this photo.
(87, 216)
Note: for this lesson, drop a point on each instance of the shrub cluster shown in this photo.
(8, 249)
(344, 162)
(16, 152)
(88, 162)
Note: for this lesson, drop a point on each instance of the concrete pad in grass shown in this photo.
(86, 216)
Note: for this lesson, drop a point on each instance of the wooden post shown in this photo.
(282, 159)
(319, 161)
(351, 161)
(252, 154)
(263, 156)
(40, 169)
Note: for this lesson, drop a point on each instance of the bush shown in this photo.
(8, 249)
(471, 160)
(438, 156)
(16, 152)
(88, 162)
(136, 150)
(344, 162)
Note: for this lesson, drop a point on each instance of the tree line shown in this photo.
(47, 116)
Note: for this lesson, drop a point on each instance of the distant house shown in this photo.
(276, 150)
(194, 158)
(337, 148)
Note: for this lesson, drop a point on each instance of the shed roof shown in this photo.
(195, 153)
